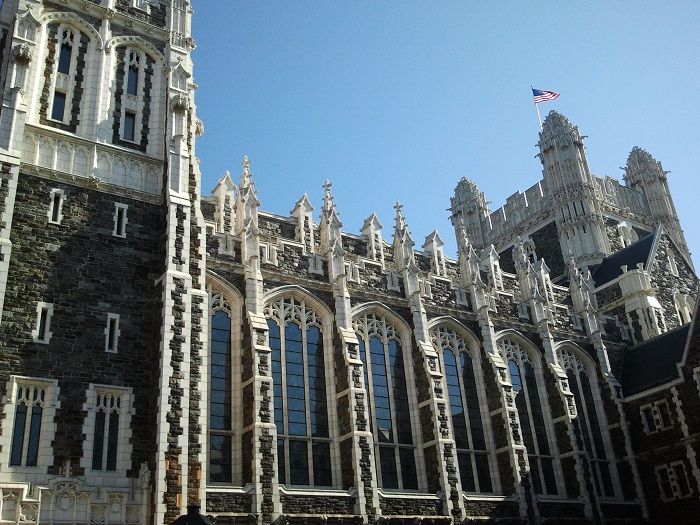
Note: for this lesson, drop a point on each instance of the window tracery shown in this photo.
(589, 424)
(224, 418)
(530, 404)
(300, 393)
(389, 406)
(461, 369)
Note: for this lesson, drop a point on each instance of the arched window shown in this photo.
(589, 424)
(220, 391)
(529, 401)
(390, 415)
(466, 402)
(300, 393)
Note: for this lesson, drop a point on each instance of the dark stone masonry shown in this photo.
(164, 348)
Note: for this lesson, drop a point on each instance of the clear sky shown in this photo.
(399, 100)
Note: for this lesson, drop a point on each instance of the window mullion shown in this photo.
(392, 405)
(531, 419)
(307, 398)
(283, 365)
(105, 438)
(465, 415)
(27, 428)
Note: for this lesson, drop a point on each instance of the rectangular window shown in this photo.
(656, 416)
(59, 106)
(56, 206)
(64, 58)
(42, 331)
(129, 125)
(112, 333)
(132, 80)
(120, 220)
(673, 481)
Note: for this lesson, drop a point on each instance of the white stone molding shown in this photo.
(29, 390)
(108, 399)
(44, 310)
(56, 200)
(73, 19)
(112, 333)
(120, 219)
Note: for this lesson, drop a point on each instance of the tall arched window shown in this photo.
(460, 369)
(220, 406)
(300, 393)
(589, 424)
(529, 401)
(390, 415)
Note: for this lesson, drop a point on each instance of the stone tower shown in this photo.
(99, 194)
(570, 188)
(646, 174)
(469, 207)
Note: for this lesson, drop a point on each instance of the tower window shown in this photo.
(120, 220)
(129, 125)
(59, 106)
(112, 333)
(42, 330)
(64, 58)
(56, 206)
(132, 81)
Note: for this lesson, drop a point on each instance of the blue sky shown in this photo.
(399, 100)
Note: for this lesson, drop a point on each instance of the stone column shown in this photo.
(437, 440)
(356, 440)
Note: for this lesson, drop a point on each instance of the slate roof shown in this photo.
(653, 362)
(633, 254)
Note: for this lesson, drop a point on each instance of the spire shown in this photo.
(642, 167)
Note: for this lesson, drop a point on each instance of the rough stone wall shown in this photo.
(86, 272)
(613, 235)
(666, 283)
(293, 504)
(547, 246)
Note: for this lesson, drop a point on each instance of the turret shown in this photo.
(570, 188)
(646, 174)
(469, 207)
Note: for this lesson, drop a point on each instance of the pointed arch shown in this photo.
(385, 350)
(461, 363)
(456, 325)
(590, 423)
(223, 363)
(77, 22)
(137, 42)
(524, 361)
(301, 340)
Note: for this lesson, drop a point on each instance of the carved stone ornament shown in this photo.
(180, 103)
(199, 128)
(22, 53)
(190, 43)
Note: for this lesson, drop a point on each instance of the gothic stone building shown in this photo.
(160, 349)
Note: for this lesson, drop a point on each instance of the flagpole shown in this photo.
(537, 109)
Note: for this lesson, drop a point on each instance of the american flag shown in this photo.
(543, 96)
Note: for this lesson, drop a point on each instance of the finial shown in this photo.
(245, 176)
(327, 195)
